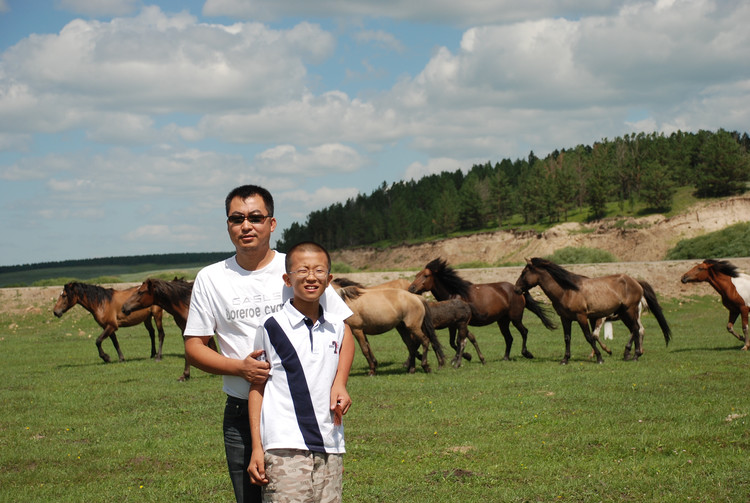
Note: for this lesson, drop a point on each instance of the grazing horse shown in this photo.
(377, 311)
(489, 302)
(732, 285)
(105, 304)
(579, 298)
(455, 315)
(172, 296)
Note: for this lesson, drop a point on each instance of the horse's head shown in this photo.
(423, 282)
(67, 299)
(140, 299)
(698, 273)
(528, 279)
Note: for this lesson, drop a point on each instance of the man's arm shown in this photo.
(201, 356)
(257, 467)
(340, 399)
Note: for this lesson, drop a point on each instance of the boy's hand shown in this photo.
(340, 403)
(257, 468)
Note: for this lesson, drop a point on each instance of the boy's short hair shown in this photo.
(306, 246)
(245, 191)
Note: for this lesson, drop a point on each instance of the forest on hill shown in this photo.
(643, 169)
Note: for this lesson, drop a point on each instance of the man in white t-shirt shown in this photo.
(229, 299)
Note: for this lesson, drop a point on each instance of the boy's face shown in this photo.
(309, 275)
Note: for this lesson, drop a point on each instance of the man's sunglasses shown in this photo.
(252, 218)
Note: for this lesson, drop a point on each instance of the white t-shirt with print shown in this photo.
(231, 302)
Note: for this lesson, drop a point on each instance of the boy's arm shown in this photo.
(257, 467)
(340, 399)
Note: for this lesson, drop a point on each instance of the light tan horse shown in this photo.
(105, 305)
(377, 311)
(579, 298)
(401, 283)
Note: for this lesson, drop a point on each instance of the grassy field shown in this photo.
(672, 427)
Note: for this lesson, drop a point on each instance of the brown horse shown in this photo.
(489, 302)
(172, 296)
(455, 315)
(582, 299)
(733, 287)
(598, 324)
(105, 304)
(377, 311)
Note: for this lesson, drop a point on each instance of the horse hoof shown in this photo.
(527, 354)
(482, 360)
(412, 370)
(467, 356)
(564, 362)
(600, 361)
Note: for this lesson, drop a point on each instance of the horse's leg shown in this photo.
(473, 340)
(411, 346)
(596, 327)
(116, 343)
(524, 332)
(584, 324)
(504, 325)
(105, 333)
(456, 361)
(566, 324)
(364, 345)
(160, 329)
(186, 373)
(733, 314)
(744, 310)
(152, 335)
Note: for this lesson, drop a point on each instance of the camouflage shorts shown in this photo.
(303, 476)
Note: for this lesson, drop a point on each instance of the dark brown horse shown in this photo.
(585, 300)
(172, 296)
(489, 302)
(105, 304)
(379, 310)
(733, 287)
(455, 315)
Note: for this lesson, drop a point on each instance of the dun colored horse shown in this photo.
(582, 299)
(489, 302)
(401, 283)
(455, 315)
(598, 324)
(733, 287)
(377, 311)
(105, 304)
(172, 296)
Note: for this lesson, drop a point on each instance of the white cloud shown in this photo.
(315, 161)
(167, 234)
(464, 13)
(299, 203)
(417, 170)
(380, 38)
(4, 6)
(98, 7)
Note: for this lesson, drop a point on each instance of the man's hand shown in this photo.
(254, 370)
(257, 468)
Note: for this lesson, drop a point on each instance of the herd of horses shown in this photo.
(458, 305)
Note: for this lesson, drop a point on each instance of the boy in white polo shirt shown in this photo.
(295, 422)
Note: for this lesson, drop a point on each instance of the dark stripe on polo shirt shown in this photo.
(300, 392)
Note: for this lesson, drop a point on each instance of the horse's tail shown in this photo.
(536, 308)
(654, 307)
(429, 330)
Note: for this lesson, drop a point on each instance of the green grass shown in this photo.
(671, 427)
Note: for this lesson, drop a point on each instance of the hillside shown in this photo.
(632, 239)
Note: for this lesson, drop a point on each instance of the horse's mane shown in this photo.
(93, 293)
(177, 289)
(563, 277)
(449, 278)
(348, 289)
(723, 267)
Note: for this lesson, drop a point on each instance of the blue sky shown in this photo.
(124, 123)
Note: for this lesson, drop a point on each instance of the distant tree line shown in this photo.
(641, 167)
(167, 259)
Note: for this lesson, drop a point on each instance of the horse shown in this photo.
(733, 287)
(401, 283)
(172, 296)
(489, 302)
(455, 315)
(598, 324)
(377, 311)
(105, 304)
(582, 299)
